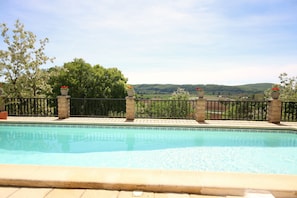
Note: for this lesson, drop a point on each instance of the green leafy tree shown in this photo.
(180, 94)
(177, 107)
(87, 81)
(20, 62)
(288, 88)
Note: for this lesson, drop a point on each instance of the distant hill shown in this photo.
(210, 89)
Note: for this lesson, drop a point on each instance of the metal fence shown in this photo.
(289, 111)
(98, 107)
(31, 106)
(236, 110)
(177, 109)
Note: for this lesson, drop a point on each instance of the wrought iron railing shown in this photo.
(289, 111)
(31, 106)
(236, 110)
(98, 107)
(175, 109)
(178, 109)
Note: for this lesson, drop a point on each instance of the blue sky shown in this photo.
(227, 42)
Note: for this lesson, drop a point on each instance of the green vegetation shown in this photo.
(86, 81)
(20, 66)
(287, 86)
(177, 106)
(20, 63)
(164, 91)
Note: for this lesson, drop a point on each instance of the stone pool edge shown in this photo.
(174, 181)
(153, 123)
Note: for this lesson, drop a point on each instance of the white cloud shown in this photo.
(169, 41)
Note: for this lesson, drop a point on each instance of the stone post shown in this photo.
(200, 110)
(130, 108)
(63, 107)
(274, 111)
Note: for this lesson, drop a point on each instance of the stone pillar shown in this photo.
(63, 107)
(200, 110)
(274, 111)
(130, 108)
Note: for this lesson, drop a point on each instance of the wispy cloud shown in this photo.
(155, 38)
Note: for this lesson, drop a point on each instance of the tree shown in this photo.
(288, 88)
(180, 94)
(20, 63)
(177, 107)
(87, 81)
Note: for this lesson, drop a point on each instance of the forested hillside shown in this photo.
(210, 89)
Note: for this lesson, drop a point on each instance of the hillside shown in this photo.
(210, 89)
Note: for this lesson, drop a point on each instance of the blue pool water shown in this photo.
(202, 149)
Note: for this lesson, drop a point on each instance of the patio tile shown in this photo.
(31, 192)
(171, 195)
(7, 191)
(100, 193)
(65, 193)
(205, 196)
(136, 194)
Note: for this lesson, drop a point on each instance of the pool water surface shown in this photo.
(201, 149)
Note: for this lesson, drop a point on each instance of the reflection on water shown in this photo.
(65, 139)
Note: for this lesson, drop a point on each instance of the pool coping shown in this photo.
(206, 183)
(154, 122)
(174, 181)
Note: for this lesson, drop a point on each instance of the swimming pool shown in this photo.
(201, 149)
